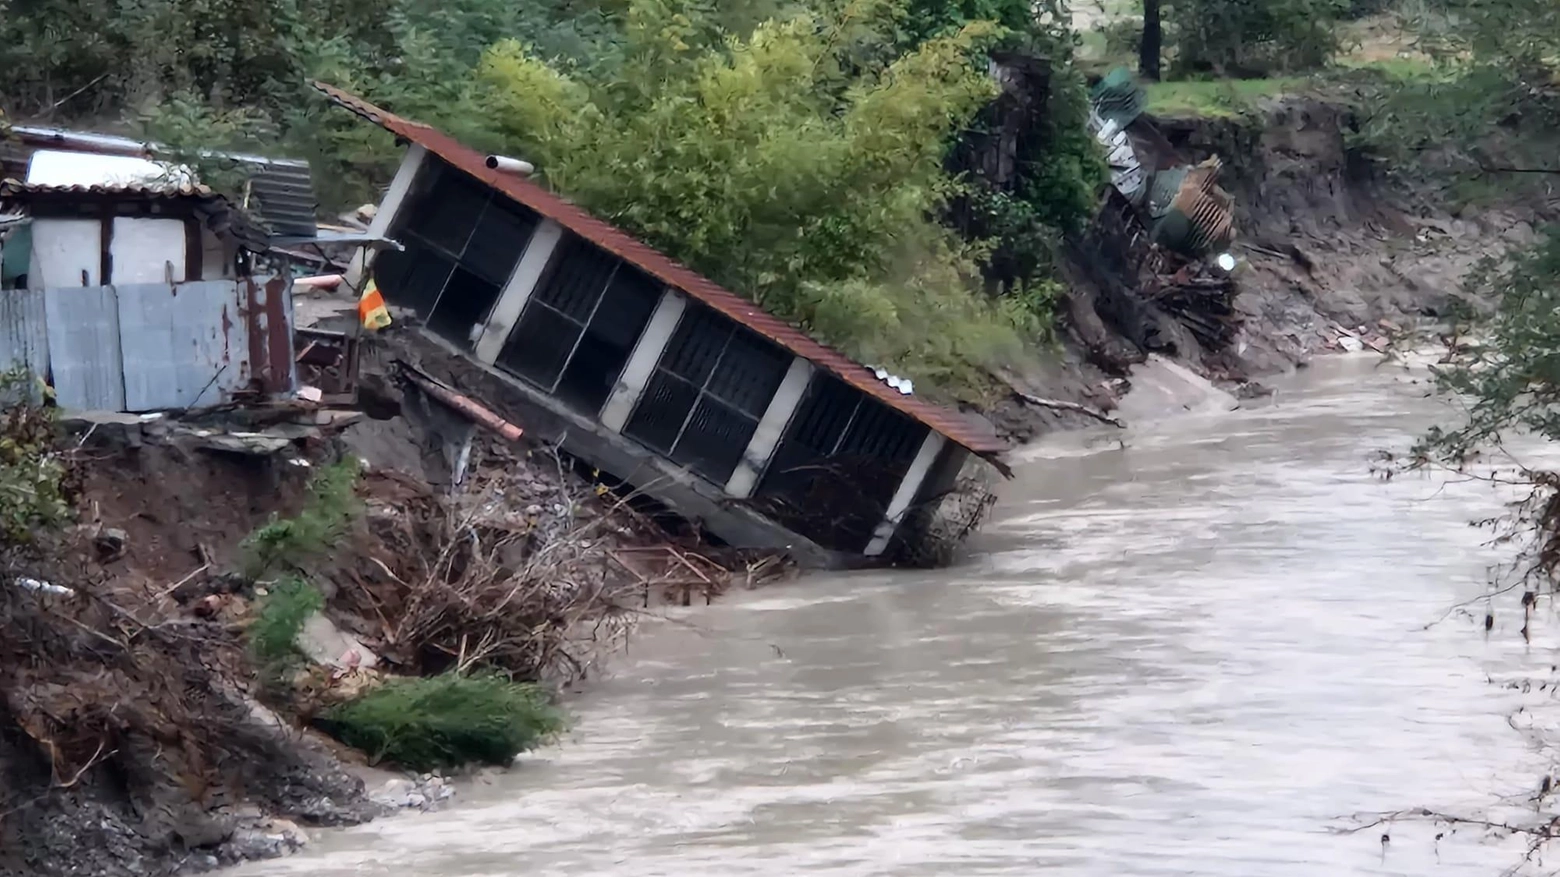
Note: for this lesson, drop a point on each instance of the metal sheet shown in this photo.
(84, 353)
(284, 192)
(185, 345)
(24, 334)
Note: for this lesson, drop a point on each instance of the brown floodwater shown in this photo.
(1195, 654)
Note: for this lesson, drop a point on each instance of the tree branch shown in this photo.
(1059, 405)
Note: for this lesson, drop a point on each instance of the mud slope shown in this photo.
(1327, 240)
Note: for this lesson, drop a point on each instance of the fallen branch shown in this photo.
(1059, 405)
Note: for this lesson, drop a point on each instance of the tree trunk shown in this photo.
(1153, 40)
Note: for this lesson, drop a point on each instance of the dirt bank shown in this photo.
(138, 735)
(1330, 239)
(1335, 253)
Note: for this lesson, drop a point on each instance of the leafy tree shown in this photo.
(925, 19)
(203, 74)
(1511, 378)
(1491, 106)
(1253, 38)
(776, 165)
(1506, 82)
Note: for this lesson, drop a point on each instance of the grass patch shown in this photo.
(330, 509)
(283, 610)
(445, 721)
(1215, 99)
(1397, 71)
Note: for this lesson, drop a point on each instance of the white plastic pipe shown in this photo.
(510, 165)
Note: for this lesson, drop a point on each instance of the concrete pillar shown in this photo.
(641, 363)
(522, 282)
(395, 197)
(787, 398)
(908, 486)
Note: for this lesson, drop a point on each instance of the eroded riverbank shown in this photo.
(1188, 655)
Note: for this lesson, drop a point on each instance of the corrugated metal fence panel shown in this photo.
(285, 190)
(185, 345)
(84, 353)
(24, 335)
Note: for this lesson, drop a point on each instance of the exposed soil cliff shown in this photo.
(1334, 254)
(1329, 240)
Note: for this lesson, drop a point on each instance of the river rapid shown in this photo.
(1198, 650)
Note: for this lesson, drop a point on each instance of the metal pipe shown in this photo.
(473, 410)
(318, 281)
(510, 165)
(103, 144)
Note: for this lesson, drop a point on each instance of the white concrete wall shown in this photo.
(216, 256)
(146, 250)
(522, 282)
(787, 398)
(641, 363)
(905, 495)
(62, 249)
(395, 196)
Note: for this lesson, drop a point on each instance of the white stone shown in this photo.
(329, 646)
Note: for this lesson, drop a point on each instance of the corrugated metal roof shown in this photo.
(285, 192)
(950, 423)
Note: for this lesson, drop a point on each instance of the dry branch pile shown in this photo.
(532, 571)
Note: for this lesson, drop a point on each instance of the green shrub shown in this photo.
(445, 721)
(330, 509)
(31, 471)
(1252, 38)
(283, 610)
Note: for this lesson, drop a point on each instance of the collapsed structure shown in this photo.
(651, 372)
(1160, 243)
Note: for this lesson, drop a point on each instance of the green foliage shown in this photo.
(210, 74)
(776, 167)
(31, 470)
(1215, 99)
(288, 603)
(1252, 38)
(1494, 89)
(292, 542)
(446, 721)
(1510, 375)
(187, 127)
(928, 19)
(790, 148)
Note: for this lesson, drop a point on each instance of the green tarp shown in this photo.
(15, 252)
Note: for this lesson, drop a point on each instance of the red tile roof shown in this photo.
(956, 426)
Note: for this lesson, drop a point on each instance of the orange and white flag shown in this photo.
(371, 308)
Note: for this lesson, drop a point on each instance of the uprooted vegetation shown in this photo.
(294, 541)
(445, 721)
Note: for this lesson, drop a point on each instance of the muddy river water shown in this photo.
(1196, 654)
